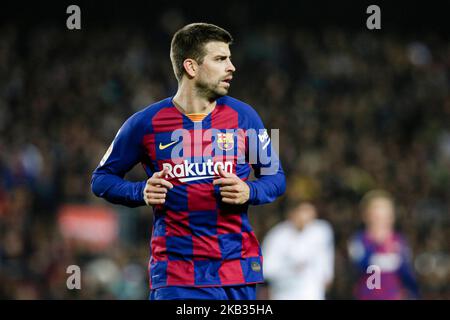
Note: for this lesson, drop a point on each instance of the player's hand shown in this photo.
(156, 188)
(232, 189)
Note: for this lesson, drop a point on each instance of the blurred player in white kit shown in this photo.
(299, 256)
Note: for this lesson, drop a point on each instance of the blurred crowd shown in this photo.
(356, 111)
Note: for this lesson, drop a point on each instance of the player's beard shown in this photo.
(210, 90)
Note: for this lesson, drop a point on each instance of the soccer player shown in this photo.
(197, 148)
(381, 246)
(299, 255)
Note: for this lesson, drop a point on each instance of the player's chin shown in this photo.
(221, 91)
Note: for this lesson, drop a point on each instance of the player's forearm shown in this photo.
(409, 280)
(267, 188)
(117, 190)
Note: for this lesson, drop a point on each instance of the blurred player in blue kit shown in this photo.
(381, 246)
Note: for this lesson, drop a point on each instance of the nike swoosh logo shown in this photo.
(162, 147)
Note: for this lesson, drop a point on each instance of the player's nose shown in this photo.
(231, 67)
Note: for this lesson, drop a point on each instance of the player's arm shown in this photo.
(359, 254)
(124, 153)
(406, 271)
(271, 181)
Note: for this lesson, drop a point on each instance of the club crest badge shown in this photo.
(256, 266)
(225, 141)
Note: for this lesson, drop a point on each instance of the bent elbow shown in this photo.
(282, 186)
(96, 186)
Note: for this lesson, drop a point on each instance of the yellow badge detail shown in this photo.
(225, 141)
(256, 266)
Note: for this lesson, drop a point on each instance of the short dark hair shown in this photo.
(189, 42)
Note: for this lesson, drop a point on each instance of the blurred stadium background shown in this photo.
(357, 109)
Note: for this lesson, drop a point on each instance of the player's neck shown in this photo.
(379, 235)
(190, 101)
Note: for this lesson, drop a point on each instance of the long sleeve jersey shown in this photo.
(197, 240)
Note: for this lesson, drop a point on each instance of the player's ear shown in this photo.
(191, 67)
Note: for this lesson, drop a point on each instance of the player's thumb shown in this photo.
(223, 173)
(162, 173)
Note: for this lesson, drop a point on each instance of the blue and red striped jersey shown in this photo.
(393, 258)
(197, 240)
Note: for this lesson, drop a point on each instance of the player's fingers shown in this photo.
(222, 173)
(162, 182)
(225, 174)
(154, 196)
(166, 183)
(229, 200)
(233, 188)
(156, 189)
(225, 181)
(229, 195)
(152, 201)
(161, 174)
